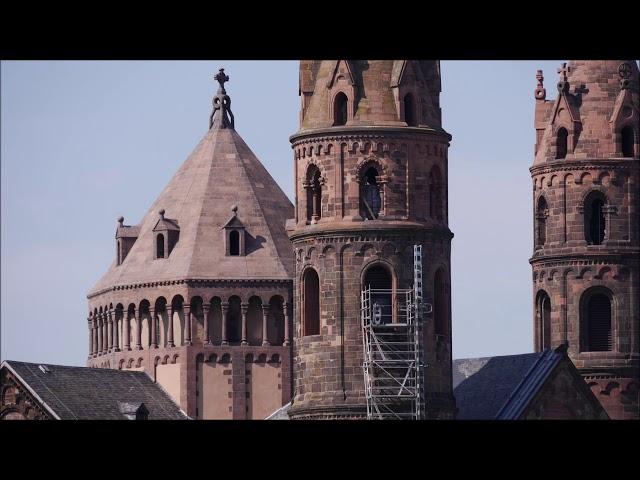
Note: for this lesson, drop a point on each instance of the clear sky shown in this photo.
(84, 142)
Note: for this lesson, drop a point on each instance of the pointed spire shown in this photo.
(221, 104)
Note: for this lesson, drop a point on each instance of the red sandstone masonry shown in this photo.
(566, 266)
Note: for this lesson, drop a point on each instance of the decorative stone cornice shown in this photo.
(353, 133)
(586, 260)
(586, 164)
(189, 283)
(368, 234)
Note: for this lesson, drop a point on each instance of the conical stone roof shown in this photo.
(220, 174)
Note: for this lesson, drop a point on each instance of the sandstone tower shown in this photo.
(200, 292)
(371, 181)
(586, 194)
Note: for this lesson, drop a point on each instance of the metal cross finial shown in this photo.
(221, 78)
(564, 70)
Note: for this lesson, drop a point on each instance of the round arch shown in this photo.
(380, 277)
(310, 300)
(597, 320)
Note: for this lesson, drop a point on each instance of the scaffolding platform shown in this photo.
(392, 345)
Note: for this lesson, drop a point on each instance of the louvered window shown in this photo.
(599, 323)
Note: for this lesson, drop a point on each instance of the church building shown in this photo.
(234, 303)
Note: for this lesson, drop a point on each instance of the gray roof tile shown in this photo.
(82, 393)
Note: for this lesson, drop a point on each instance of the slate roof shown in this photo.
(222, 172)
(500, 388)
(280, 414)
(82, 393)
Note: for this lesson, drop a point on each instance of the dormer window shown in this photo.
(126, 236)
(340, 109)
(234, 235)
(561, 143)
(234, 243)
(160, 246)
(409, 111)
(167, 233)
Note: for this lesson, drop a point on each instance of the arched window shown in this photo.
(370, 199)
(311, 301)
(561, 143)
(379, 280)
(440, 304)
(597, 323)
(160, 246)
(541, 219)
(314, 194)
(234, 243)
(409, 111)
(594, 218)
(435, 194)
(340, 107)
(627, 141)
(543, 316)
(119, 253)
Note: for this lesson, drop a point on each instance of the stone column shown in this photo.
(127, 332)
(105, 333)
(244, 308)
(109, 331)
(90, 338)
(205, 320)
(100, 332)
(94, 334)
(116, 334)
(170, 343)
(225, 307)
(187, 326)
(139, 331)
(304, 203)
(265, 318)
(316, 203)
(154, 331)
(287, 338)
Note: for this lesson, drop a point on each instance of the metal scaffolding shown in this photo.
(392, 344)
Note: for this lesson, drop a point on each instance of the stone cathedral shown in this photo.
(237, 302)
(239, 305)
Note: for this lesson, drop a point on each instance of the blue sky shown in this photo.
(86, 141)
